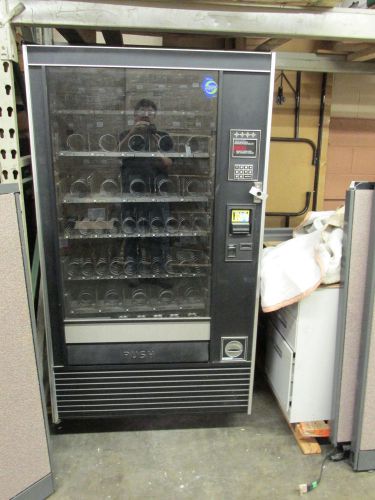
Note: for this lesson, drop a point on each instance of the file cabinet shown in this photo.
(300, 355)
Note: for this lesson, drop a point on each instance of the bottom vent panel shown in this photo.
(115, 393)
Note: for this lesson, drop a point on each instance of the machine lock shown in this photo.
(257, 191)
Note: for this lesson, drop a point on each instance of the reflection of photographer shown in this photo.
(144, 173)
(144, 136)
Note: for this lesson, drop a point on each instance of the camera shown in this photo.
(147, 138)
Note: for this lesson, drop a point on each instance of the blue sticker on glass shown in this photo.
(209, 87)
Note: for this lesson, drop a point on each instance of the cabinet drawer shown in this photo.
(285, 320)
(279, 366)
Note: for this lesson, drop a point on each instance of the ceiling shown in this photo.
(320, 27)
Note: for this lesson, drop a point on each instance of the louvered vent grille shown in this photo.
(152, 391)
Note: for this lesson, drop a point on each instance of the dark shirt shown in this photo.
(145, 140)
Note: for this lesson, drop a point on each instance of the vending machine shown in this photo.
(150, 170)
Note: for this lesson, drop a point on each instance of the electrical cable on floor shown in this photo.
(335, 456)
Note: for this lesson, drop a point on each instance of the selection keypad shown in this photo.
(243, 172)
(244, 155)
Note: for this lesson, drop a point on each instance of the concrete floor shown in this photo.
(223, 457)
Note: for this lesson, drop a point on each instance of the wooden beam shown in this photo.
(249, 43)
(112, 37)
(131, 39)
(343, 48)
(308, 445)
(322, 64)
(349, 46)
(271, 44)
(229, 43)
(363, 55)
(324, 47)
(171, 40)
(89, 36)
(72, 36)
(78, 37)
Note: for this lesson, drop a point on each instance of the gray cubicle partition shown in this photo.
(363, 438)
(25, 469)
(353, 404)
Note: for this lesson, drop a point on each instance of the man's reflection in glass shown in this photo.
(147, 174)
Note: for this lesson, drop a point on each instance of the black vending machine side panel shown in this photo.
(244, 101)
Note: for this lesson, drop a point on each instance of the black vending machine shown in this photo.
(150, 170)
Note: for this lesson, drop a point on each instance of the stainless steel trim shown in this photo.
(149, 49)
(91, 333)
(90, 400)
(262, 223)
(59, 389)
(134, 320)
(55, 416)
(159, 408)
(121, 154)
(151, 403)
(143, 66)
(188, 370)
(62, 396)
(150, 376)
(134, 382)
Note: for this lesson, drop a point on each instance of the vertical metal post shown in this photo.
(297, 98)
(10, 158)
(319, 143)
(10, 164)
(9, 143)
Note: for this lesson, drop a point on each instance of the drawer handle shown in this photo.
(277, 349)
